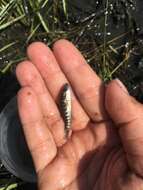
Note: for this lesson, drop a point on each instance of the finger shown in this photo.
(87, 85)
(44, 60)
(38, 136)
(28, 75)
(127, 114)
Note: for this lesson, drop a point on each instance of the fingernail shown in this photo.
(121, 85)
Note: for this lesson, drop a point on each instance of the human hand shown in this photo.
(105, 150)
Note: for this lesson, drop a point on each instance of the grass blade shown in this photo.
(11, 22)
(7, 46)
(43, 22)
(6, 8)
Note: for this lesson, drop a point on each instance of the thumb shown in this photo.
(127, 114)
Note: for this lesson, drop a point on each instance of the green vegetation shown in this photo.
(22, 22)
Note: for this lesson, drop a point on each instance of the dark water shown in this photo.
(119, 22)
(133, 75)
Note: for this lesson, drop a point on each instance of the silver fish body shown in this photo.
(66, 108)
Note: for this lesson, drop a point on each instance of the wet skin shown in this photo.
(105, 150)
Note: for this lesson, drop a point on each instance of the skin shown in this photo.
(105, 150)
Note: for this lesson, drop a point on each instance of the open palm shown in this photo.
(105, 150)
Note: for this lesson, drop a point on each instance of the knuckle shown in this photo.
(79, 123)
(89, 93)
(93, 96)
(52, 73)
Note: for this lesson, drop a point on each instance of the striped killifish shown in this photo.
(66, 108)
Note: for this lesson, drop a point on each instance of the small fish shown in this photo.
(66, 108)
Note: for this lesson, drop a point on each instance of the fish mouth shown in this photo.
(66, 87)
